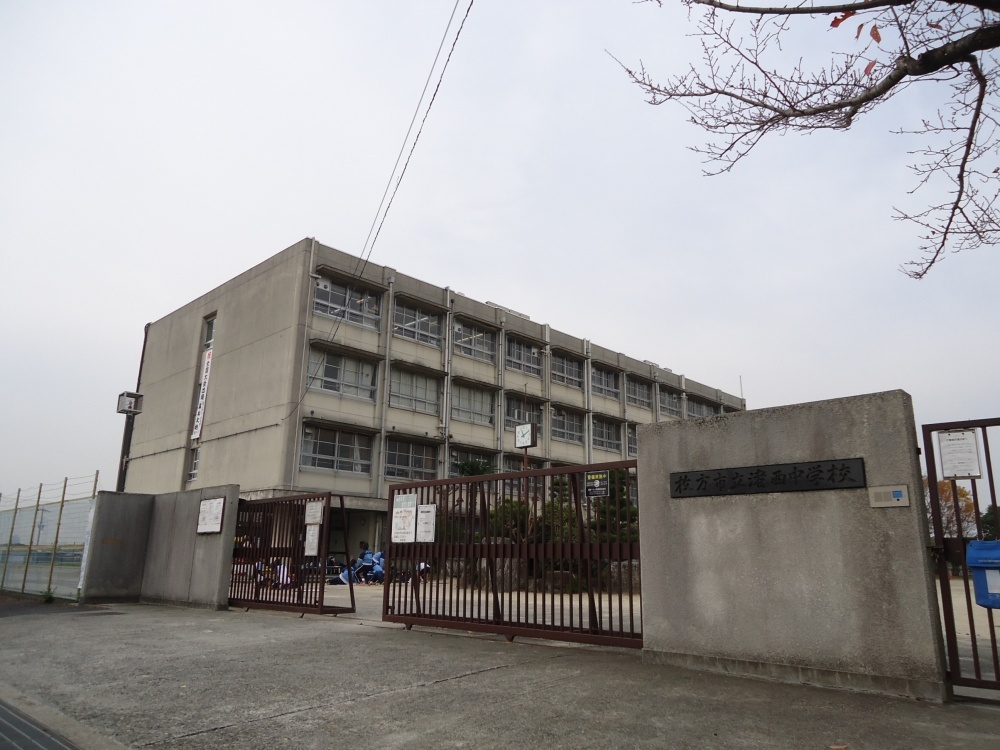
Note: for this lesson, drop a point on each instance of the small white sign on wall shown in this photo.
(210, 515)
(314, 512)
(425, 522)
(312, 540)
(404, 519)
(959, 454)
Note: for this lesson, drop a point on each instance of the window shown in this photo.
(325, 448)
(567, 370)
(193, 460)
(670, 403)
(341, 374)
(473, 341)
(639, 392)
(567, 425)
(410, 390)
(524, 357)
(410, 460)
(459, 457)
(607, 435)
(209, 334)
(605, 382)
(701, 408)
(633, 440)
(516, 463)
(350, 303)
(472, 405)
(518, 410)
(413, 323)
(523, 488)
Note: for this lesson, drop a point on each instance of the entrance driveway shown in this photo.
(166, 677)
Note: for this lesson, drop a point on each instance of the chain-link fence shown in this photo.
(43, 533)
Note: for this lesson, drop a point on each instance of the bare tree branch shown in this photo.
(737, 94)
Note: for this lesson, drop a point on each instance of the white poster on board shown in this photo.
(314, 512)
(959, 454)
(312, 540)
(425, 522)
(210, 515)
(404, 519)
(199, 412)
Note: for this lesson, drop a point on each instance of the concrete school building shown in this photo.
(315, 371)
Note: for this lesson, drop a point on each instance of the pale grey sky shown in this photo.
(151, 151)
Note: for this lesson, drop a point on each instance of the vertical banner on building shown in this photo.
(199, 413)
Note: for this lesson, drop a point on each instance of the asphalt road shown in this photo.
(163, 677)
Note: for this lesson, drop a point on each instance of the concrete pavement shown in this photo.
(167, 677)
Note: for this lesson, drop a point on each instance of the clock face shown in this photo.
(523, 436)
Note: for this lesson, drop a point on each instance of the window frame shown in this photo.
(413, 401)
(510, 422)
(558, 374)
(707, 409)
(598, 382)
(526, 358)
(459, 411)
(416, 323)
(461, 455)
(357, 304)
(194, 461)
(409, 470)
(321, 381)
(666, 408)
(336, 461)
(632, 436)
(634, 384)
(483, 342)
(604, 442)
(560, 429)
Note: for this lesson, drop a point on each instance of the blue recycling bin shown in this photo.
(983, 559)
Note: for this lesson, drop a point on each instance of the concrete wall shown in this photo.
(814, 587)
(183, 566)
(116, 552)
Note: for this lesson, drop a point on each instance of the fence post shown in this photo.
(55, 542)
(31, 538)
(10, 539)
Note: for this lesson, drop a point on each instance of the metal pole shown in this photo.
(10, 538)
(129, 423)
(55, 542)
(31, 538)
(126, 448)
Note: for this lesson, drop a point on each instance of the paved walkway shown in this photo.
(165, 677)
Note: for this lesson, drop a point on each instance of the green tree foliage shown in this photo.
(952, 521)
(990, 525)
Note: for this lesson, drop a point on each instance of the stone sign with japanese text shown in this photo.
(839, 474)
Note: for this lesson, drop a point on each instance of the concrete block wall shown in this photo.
(813, 587)
(116, 550)
(183, 566)
(146, 547)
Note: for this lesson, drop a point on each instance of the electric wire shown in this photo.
(367, 249)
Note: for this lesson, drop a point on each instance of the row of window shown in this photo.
(340, 450)
(363, 307)
(354, 377)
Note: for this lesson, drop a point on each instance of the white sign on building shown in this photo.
(959, 454)
(404, 519)
(199, 414)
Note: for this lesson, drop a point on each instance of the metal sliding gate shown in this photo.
(549, 553)
(279, 559)
(960, 511)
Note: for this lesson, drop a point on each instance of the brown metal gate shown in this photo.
(960, 511)
(271, 567)
(540, 554)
